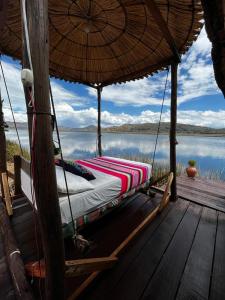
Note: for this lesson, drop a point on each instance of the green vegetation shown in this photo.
(192, 163)
(12, 148)
(161, 169)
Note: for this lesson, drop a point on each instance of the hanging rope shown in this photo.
(34, 122)
(11, 108)
(62, 158)
(160, 118)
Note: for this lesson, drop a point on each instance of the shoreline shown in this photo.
(150, 133)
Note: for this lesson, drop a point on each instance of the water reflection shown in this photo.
(209, 152)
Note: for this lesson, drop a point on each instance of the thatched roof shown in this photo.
(214, 13)
(109, 41)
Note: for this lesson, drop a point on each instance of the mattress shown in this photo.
(113, 183)
(107, 188)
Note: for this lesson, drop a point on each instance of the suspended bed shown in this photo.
(96, 43)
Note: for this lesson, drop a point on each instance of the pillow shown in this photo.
(76, 184)
(75, 169)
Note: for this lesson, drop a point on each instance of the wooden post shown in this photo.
(26, 65)
(17, 175)
(14, 260)
(43, 169)
(3, 166)
(173, 122)
(99, 91)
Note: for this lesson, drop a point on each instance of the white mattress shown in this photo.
(106, 189)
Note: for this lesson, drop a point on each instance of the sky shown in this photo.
(200, 102)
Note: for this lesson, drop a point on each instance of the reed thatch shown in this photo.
(214, 13)
(108, 41)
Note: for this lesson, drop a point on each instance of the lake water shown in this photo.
(209, 152)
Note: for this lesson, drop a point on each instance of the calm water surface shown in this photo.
(209, 152)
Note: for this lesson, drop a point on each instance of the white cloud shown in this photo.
(81, 118)
(195, 79)
(136, 93)
(13, 79)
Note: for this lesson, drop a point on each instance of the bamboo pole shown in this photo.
(3, 166)
(173, 123)
(44, 176)
(99, 92)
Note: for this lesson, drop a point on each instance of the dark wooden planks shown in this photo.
(164, 282)
(23, 225)
(118, 226)
(110, 279)
(202, 198)
(6, 285)
(109, 232)
(217, 290)
(203, 181)
(136, 276)
(195, 282)
(203, 187)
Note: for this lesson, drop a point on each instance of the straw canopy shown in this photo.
(110, 41)
(214, 10)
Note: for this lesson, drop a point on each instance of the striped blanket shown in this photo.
(130, 174)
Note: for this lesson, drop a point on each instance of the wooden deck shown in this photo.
(180, 255)
(202, 191)
(6, 285)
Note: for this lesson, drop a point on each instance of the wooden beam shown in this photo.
(84, 266)
(163, 27)
(116, 252)
(173, 125)
(99, 131)
(43, 168)
(3, 165)
(17, 174)
(166, 194)
(73, 268)
(7, 196)
(26, 65)
(15, 264)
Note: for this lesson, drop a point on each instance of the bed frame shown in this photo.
(92, 266)
(89, 216)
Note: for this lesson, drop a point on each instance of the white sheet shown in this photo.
(106, 189)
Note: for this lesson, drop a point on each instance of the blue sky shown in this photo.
(200, 102)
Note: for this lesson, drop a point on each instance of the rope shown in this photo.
(160, 118)
(11, 108)
(34, 121)
(62, 158)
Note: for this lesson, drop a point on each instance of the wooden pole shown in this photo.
(43, 169)
(3, 166)
(14, 260)
(99, 92)
(17, 175)
(173, 122)
(26, 65)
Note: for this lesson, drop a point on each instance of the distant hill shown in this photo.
(146, 128)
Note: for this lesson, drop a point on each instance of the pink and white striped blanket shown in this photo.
(130, 174)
